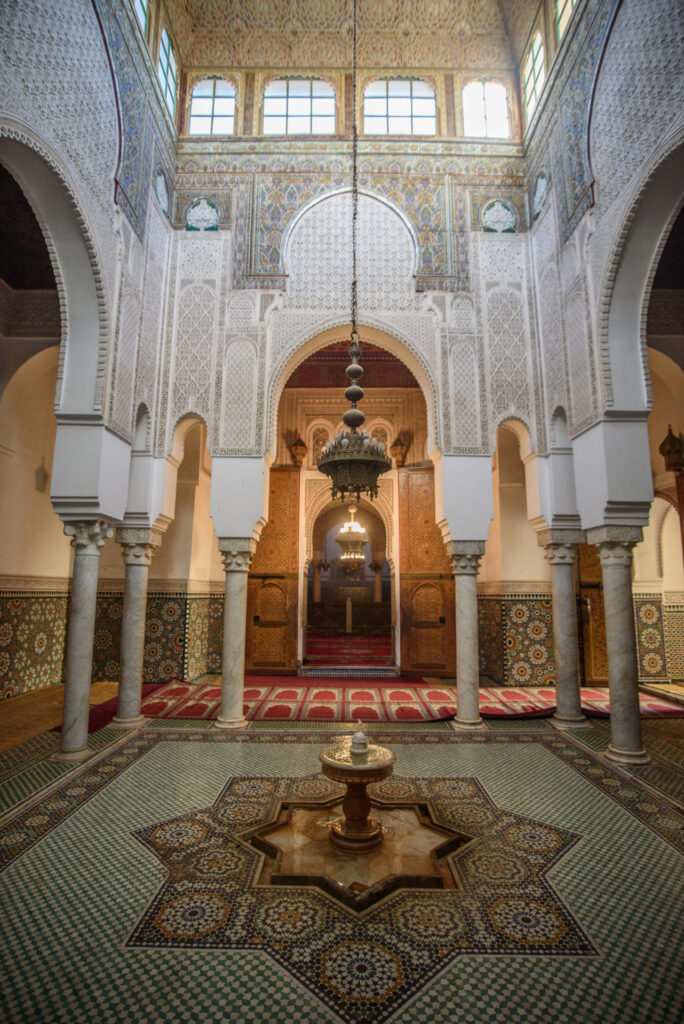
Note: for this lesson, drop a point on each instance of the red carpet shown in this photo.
(336, 700)
(101, 714)
(348, 649)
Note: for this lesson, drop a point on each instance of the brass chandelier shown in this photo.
(353, 460)
(352, 538)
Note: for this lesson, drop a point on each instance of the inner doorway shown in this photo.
(349, 606)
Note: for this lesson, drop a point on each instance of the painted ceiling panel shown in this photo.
(317, 33)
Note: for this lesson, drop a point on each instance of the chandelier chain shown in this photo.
(355, 181)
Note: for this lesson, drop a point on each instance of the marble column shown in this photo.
(560, 550)
(87, 538)
(376, 566)
(137, 548)
(317, 581)
(465, 560)
(615, 545)
(237, 556)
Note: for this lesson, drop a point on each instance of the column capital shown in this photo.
(599, 535)
(615, 544)
(89, 535)
(560, 535)
(465, 556)
(236, 553)
(614, 552)
(137, 544)
(560, 554)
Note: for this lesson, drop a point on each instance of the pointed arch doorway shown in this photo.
(349, 614)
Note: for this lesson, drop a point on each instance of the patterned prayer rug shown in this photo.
(348, 649)
(333, 700)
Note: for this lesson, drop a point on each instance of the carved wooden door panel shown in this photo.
(592, 624)
(425, 628)
(269, 632)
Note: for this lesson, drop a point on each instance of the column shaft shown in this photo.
(623, 681)
(562, 557)
(377, 585)
(465, 559)
(316, 582)
(236, 560)
(137, 546)
(86, 538)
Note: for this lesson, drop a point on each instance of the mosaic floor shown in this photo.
(127, 890)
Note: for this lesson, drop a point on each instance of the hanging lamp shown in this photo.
(352, 538)
(353, 460)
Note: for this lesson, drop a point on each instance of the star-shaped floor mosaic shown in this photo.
(366, 964)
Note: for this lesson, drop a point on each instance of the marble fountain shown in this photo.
(355, 845)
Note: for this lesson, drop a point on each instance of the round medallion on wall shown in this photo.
(500, 217)
(202, 215)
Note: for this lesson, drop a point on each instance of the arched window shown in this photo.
(533, 74)
(142, 10)
(299, 106)
(399, 106)
(212, 108)
(485, 110)
(167, 72)
(564, 9)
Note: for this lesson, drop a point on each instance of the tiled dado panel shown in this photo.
(650, 635)
(673, 623)
(203, 635)
(516, 640)
(184, 632)
(183, 636)
(32, 633)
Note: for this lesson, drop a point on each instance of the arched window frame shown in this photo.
(533, 74)
(563, 13)
(215, 80)
(142, 13)
(167, 71)
(322, 104)
(484, 82)
(317, 424)
(396, 91)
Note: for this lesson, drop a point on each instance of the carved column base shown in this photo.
(71, 756)
(566, 722)
(231, 723)
(129, 723)
(468, 725)
(626, 756)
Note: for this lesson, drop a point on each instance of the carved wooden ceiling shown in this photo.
(24, 258)
(317, 33)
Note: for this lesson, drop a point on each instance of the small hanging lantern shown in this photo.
(398, 452)
(298, 450)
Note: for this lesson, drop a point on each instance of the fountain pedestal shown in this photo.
(356, 763)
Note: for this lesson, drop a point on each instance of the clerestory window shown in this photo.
(485, 110)
(167, 71)
(533, 74)
(142, 10)
(399, 106)
(212, 108)
(299, 106)
(564, 9)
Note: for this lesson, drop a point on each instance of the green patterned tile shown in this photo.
(71, 900)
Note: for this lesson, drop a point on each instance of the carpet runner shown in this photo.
(404, 701)
(348, 649)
